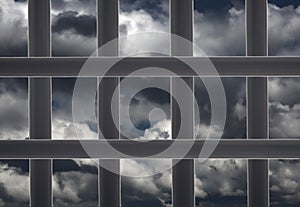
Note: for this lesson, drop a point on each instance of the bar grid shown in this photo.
(40, 102)
(182, 113)
(40, 149)
(108, 29)
(257, 90)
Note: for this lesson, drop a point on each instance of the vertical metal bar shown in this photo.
(257, 102)
(40, 102)
(108, 27)
(182, 117)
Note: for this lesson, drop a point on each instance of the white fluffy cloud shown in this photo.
(160, 130)
(64, 129)
(284, 26)
(207, 131)
(134, 22)
(15, 184)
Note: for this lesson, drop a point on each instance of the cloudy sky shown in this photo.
(235, 125)
(13, 28)
(284, 25)
(14, 183)
(221, 183)
(13, 108)
(149, 113)
(219, 29)
(144, 16)
(149, 109)
(73, 27)
(284, 107)
(219, 26)
(284, 183)
(143, 190)
(63, 126)
(75, 183)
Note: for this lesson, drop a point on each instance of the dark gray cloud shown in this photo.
(156, 8)
(75, 183)
(284, 183)
(13, 27)
(84, 6)
(221, 183)
(283, 3)
(217, 7)
(81, 24)
(73, 28)
(13, 108)
(235, 126)
(284, 107)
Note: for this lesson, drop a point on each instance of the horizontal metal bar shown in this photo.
(74, 149)
(226, 66)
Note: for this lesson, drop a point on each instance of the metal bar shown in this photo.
(108, 29)
(256, 11)
(225, 66)
(40, 103)
(257, 102)
(182, 107)
(257, 107)
(254, 148)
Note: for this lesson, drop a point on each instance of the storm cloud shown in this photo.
(70, 20)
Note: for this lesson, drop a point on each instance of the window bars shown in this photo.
(41, 149)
